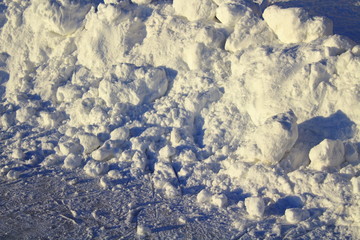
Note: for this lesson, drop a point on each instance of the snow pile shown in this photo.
(209, 105)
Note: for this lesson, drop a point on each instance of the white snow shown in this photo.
(328, 153)
(195, 10)
(294, 25)
(296, 215)
(72, 161)
(255, 206)
(174, 119)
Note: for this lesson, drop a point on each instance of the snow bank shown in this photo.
(186, 101)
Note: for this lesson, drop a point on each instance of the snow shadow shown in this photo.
(336, 126)
(236, 196)
(279, 207)
(345, 14)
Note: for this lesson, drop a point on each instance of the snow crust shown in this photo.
(246, 110)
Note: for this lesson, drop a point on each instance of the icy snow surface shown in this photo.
(184, 119)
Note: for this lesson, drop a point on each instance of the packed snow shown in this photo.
(183, 119)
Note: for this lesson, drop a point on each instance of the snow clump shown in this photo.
(294, 25)
(328, 153)
(195, 10)
(296, 215)
(255, 206)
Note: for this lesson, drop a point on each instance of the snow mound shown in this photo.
(294, 25)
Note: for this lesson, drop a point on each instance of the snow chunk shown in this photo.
(219, 200)
(139, 164)
(52, 160)
(72, 161)
(106, 29)
(273, 139)
(104, 153)
(68, 93)
(94, 168)
(115, 174)
(57, 16)
(120, 134)
(255, 206)
(328, 153)
(17, 154)
(204, 196)
(167, 152)
(70, 146)
(294, 25)
(134, 85)
(296, 215)
(230, 13)
(195, 10)
(89, 142)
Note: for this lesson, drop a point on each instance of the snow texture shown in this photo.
(184, 119)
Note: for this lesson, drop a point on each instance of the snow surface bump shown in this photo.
(294, 25)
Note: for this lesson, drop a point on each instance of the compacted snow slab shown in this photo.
(211, 119)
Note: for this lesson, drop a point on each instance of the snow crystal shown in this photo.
(73, 161)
